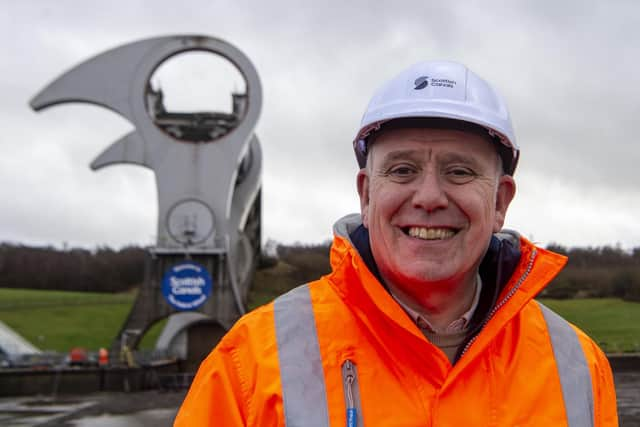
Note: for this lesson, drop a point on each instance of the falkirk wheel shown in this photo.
(207, 168)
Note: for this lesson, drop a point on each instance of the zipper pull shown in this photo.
(349, 378)
(352, 417)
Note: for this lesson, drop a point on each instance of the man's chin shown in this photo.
(421, 276)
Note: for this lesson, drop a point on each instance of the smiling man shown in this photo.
(427, 317)
(431, 197)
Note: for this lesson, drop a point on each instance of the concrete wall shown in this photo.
(49, 382)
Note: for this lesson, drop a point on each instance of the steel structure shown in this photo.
(207, 169)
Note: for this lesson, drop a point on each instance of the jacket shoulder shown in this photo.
(602, 386)
(604, 392)
(247, 337)
(240, 372)
(258, 326)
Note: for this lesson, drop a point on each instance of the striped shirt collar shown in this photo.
(456, 326)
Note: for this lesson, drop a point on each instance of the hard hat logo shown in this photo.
(421, 82)
(443, 83)
(424, 81)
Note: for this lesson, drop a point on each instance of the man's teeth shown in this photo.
(431, 233)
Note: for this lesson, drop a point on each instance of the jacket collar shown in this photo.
(513, 266)
(497, 266)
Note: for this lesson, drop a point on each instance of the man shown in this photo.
(428, 316)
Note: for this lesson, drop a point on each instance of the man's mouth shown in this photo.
(426, 233)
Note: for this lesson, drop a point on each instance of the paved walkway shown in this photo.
(628, 394)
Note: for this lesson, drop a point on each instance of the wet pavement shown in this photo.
(628, 395)
(34, 412)
(158, 409)
(149, 418)
(141, 409)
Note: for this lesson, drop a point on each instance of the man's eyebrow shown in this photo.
(457, 157)
(400, 155)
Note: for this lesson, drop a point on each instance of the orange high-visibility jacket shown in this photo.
(341, 352)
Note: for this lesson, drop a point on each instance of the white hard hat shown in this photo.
(443, 90)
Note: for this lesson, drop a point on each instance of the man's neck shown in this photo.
(439, 305)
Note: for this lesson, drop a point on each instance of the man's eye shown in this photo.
(460, 175)
(461, 172)
(402, 171)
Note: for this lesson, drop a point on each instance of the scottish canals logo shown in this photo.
(421, 82)
(186, 286)
(424, 81)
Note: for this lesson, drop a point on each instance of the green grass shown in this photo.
(60, 320)
(19, 299)
(613, 323)
(149, 339)
(270, 283)
(57, 320)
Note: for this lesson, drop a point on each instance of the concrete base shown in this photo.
(624, 362)
(51, 382)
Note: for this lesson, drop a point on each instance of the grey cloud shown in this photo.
(567, 70)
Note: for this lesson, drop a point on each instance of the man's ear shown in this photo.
(362, 182)
(504, 196)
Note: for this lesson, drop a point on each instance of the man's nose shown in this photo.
(429, 193)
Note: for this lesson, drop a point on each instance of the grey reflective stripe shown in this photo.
(573, 370)
(303, 390)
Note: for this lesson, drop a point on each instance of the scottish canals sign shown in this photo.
(186, 286)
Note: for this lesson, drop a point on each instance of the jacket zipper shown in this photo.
(500, 304)
(351, 394)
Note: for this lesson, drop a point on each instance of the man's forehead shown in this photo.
(413, 141)
(427, 154)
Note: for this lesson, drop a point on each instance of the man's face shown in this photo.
(431, 198)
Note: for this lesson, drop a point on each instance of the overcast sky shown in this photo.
(567, 69)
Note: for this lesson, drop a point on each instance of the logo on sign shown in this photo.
(186, 286)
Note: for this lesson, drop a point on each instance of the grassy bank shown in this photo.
(57, 320)
(613, 323)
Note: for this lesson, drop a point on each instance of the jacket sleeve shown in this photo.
(216, 396)
(238, 384)
(604, 392)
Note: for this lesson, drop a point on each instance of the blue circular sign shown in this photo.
(186, 286)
